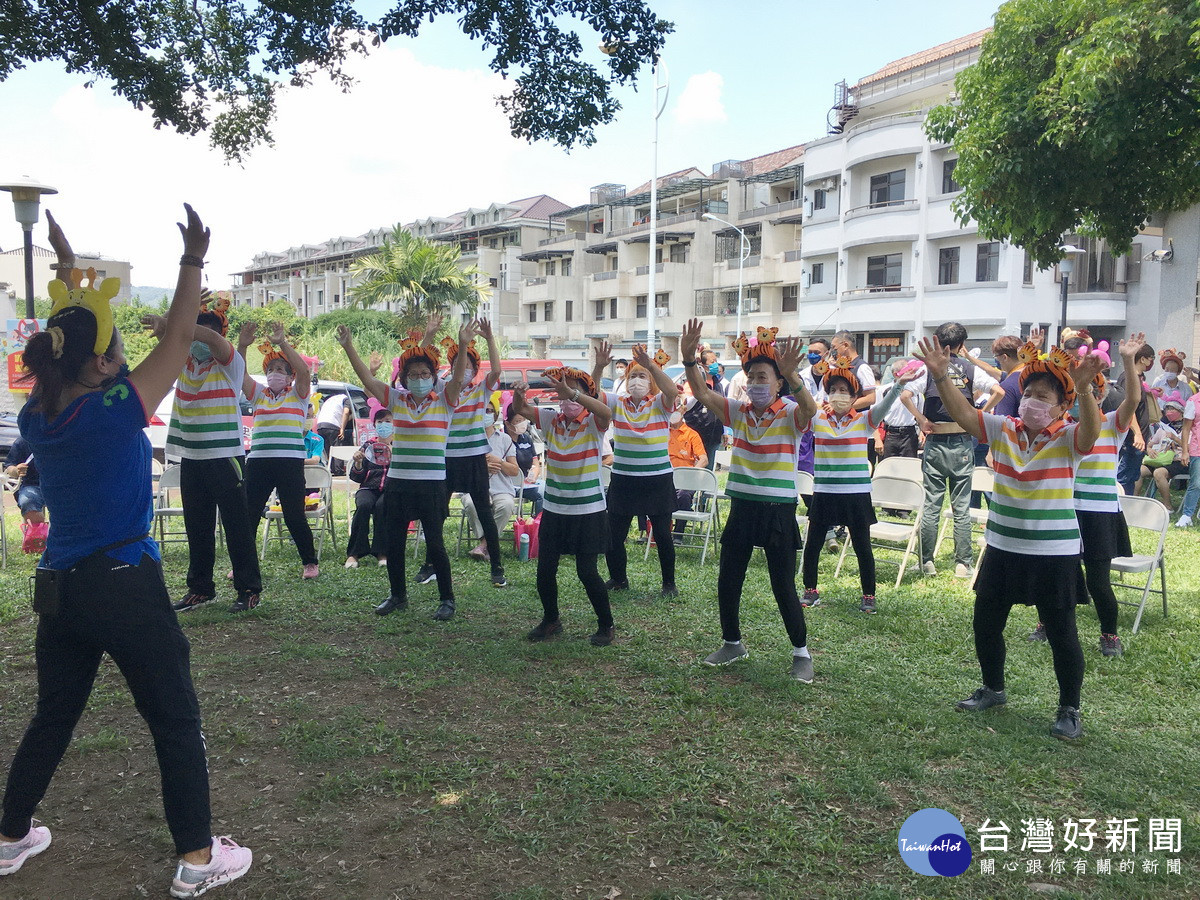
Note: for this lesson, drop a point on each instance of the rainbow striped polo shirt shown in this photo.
(280, 423)
(764, 455)
(1096, 478)
(419, 433)
(1033, 503)
(467, 437)
(206, 422)
(573, 449)
(641, 435)
(840, 464)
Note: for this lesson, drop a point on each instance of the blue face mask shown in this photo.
(383, 431)
(714, 369)
(201, 351)
(419, 387)
(814, 358)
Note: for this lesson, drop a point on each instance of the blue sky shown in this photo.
(420, 134)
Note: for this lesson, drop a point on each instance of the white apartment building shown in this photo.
(884, 256)
(316, 277)
(12, 276)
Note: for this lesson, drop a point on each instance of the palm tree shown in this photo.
(422, 276)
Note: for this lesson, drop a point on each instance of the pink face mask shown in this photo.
(1035, 414)
(276, 381)
(571, 408)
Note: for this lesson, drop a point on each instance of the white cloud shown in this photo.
(700, 102)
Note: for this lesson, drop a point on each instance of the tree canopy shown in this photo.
(216, 65)
(1079, 115)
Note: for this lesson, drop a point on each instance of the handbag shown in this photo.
(1153, 410)
(531, 527)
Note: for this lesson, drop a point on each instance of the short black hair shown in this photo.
(951, 334)
(1045, 378)
(1146, 352)
(834, 379)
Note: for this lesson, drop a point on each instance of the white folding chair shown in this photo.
(9, 486)
(1148, 515)
(316, 478)
(905, 467)
(893, 493)
(700, 481)
(804, 488)
(164, 511)
(346, 455)
(982, 479)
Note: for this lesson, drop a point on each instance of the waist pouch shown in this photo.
(48, 587)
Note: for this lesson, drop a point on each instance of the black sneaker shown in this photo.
(1038, 635)
(1066, 724)
(983, 698)
(545, 631)
(669, 591)
(612, 585)
(191, 600)
(445, 611)
(244, 603)
(603, 637)
(811, 599)
(868, 603)
(426, 574)
(1110, 645)
(498, 579)
(391, 604)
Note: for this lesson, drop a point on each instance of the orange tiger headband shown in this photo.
(451, 347)
(1057, 363)
(841, 368)
(271, 353)
(218, 305)
(411, 348)
(564, 373)
(660, 359)
(763, 348)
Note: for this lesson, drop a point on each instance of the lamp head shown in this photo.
(26, 195)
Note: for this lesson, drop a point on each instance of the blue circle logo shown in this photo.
(933, 842)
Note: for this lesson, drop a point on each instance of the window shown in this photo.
(493, 282)
(570, 309)
(987, 261)
(320, 297)
(600, 305)
(551, 267)
(884, 347)
(679, 253)
(612, 263)
(818, 273)
(791, 296)
(887, 188)
(751, 301)
(729, 245)
(641, 311)
(883, 272)
(532, 312)
(1027, 269)
(566, 265)
(548, 311)
(337, 299)
(819, 198)
(662, 305)
(949, 185)
(612, 308)
(948, 265)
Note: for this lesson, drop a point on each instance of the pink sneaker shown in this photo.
(311, 571)
(13, 856)
(229, 861)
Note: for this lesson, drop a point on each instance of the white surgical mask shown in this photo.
(760, 394)
(468, 375)
(276, 381)
(520, 427)
(571, 408)
(383, 431)
(419, 387)
(1034, 413)
(638, 389)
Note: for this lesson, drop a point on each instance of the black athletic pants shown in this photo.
(589, 576)
(370, 508)
(989, 621)
(860, 540)
(618, 559)
(285, 476)
(417, 501)
(208, 486)
(781, 567)
(124, 611)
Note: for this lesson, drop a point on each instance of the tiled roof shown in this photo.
(37, 251)
(692, 172)
(925, 57)
(769, 162)
(539, 207)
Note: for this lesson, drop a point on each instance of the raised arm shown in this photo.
(373, 386)
(937, 361)
(597, 408)
(1133, 382)
(466, 335)
(523, 408)
(665, 384)
(494, 372)
(246, 336)
(62, 249)
(792, 351)
(876, 414)
(155, 375)
(303, 382)
(603, 360)
(220, 347)
(689, 341)
(432, 325)
(1090, 418)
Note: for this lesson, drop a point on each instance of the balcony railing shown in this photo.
(877, 289)
(750, 261)
(540, 279)
(917, 115)
(566, 236)
(605, 276)
(645, 270)
(770, 210)
(791, 255)
(885, 206)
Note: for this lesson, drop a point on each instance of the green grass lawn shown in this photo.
(399, 757)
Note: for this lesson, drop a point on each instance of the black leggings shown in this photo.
(989, 621)
(286, 477)
(781, 567)
(860, 539)
(589, 575)
(416, 501)
(617, 557)
(1096, 572)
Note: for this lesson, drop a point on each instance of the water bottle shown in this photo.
(524, 548)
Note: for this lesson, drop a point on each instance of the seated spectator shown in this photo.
(1163, 460)
(20, 465)
(516, 426)
(503, 471)
(1190, 457)
(368, 469)
(686, 449)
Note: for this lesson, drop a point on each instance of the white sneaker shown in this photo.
(13, 856)
(351, 563)
(1183, 522)
(962, 570)
(929, 568)
(229, 861)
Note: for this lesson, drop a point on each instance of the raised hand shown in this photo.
(58, 240)
(641, 356)
(374, 362)
(1129, 348)
(1089, 367)
(247, 333)
(564, 392)
(346, 339)
(603, 354)
(467, 334)
(485, 329)
(432, 325)
(689, 341)
(277, 335)
(518, 398)
(195, 235)
(1036, 337)
(790, 351)
(156, 325)
(934, 355)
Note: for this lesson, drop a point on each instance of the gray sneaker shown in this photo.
(802, 669)
(1110, 645)
(1066, 724)
(726, 654)
(983, 698)
(1038, 635)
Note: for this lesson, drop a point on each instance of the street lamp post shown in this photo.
(1065, 267)
(26, 196)
(745, 254)
(660, 104)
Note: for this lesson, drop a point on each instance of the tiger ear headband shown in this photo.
(271, 353)
(218, 305)
(841, 368)
(411, 348)
(450, 347)
(94, 299)
(762, 348)
(1058, 363)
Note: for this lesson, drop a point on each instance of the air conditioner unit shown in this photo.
(808, 208)
(805, 280)
(830, 184)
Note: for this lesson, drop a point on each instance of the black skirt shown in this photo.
(850, 510)
(1105, 535)
(641, 495)
(756, 523)
(573, 535)
(467, 474)
(1011, 579)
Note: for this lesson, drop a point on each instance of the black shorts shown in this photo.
(1012, 579)
(757, 523)
(573, 535)
(641, 495)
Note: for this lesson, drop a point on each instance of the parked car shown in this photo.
(515, 371)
